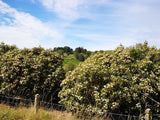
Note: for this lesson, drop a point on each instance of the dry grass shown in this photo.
(21, 113)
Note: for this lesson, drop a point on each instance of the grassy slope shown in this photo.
(66, 61)
(21, 113)
(71, 59)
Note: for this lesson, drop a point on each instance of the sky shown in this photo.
(91, 24)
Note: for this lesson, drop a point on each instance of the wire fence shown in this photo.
(110, 116)
(15, 101)
(18, 101)
(156, 117)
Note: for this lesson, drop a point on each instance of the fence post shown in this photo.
(148, 115)
(36, 103)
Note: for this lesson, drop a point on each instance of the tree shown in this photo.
(68, 50)
(64, 49)
(81, 57)
(80, 50)
(89, 53)
(81, 54)
(61, 52)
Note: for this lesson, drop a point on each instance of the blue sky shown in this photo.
(92, 24)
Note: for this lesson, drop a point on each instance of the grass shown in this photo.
(74, 61)
(70, 64)
(71, 56)
(22, 113)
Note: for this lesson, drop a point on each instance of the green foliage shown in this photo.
(124, 81)
(63, 50)
(107, 51)
(69, 57)
(67, 61)
(70, 64)
(136, 54)
(35, 69)
(70, 67)
(80, 50)
(68, 50)
(81, 54)
(88, 53)
(5, 48)
(76, 55)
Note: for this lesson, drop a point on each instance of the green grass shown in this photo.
(71, 59)
(71, 56)
(22, 113)
(70, 64)
(66, 61)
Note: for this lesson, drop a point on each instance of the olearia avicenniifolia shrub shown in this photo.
(123, 82)
(34, 69)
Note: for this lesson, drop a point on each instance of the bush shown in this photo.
(124, 81)
(34, 69)
(79, 56)
(70, 67)
(5, 48)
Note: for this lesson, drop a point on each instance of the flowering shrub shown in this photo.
(34, 69)
(127, 81)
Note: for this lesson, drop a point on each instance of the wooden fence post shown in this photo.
(36, 103)
(148, 114)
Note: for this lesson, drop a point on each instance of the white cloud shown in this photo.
(139, 19)
(106, 42)
(142, 12)
(49, 4)
(66, 9)
(71, 9)
(133, 21)
(23, 29)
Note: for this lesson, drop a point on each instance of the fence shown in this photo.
(110, 116)
(17, 101)
(156, 117)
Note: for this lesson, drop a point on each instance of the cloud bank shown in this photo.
(93, 24)
(23, 29)
(70, 9)
(129, 22)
